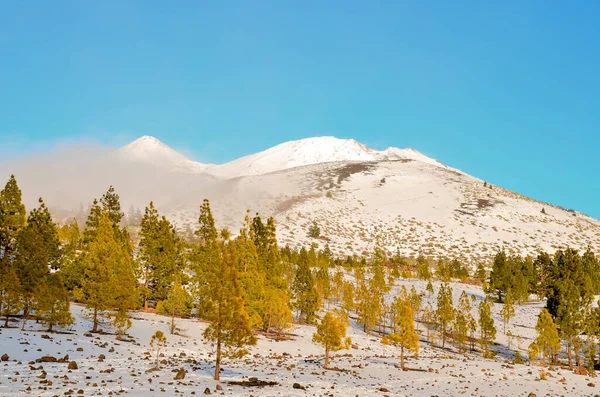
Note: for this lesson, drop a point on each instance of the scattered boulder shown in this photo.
(298, 386)
(73, 365)
(180, 374)
(532, 395)
(207, 391)
(383, 390)
(46, 359)
(219, 387)
(4, 357)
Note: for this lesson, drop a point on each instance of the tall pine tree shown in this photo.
(37, 251)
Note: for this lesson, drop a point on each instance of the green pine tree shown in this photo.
(176, 302)
(218, 283)
(508, 309)
(444, 313)
(52, 306)
(486, 326)
(331, 334)
(160, 255)
(305, 293)
(547, 339)
(102, 257)
(10, 293)
(37, 251)
(404, 335)
(12, 216)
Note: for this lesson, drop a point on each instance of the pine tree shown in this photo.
(230, 326)
(404, 335)
(10, 293)
(463, 319)
(160, 255)
(348, 296)
(252, 277)
(52, 306)
(499, 275)
(533, 351)
(547, 339)
(331, 334)
(428, 318)
(176, 302)
(480, 274)
(103, 265)
(429, 290)
(222, 299)
(416, 302)
(277, 313)
(508, 310)
(111, 204)
(423, 270)
(305, 293)
(569, 318)
(12, 216)
(470, 325)
(205, 256)
(314, 231)
(323, 280)
(157, 343)
(443, 271)
(337, 286)
(71, 271)
(486, 326)
(444, 313)
(368, 305)
(37, 251)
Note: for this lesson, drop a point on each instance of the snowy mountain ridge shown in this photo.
(284, 156)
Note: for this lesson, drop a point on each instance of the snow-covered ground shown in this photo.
(369, 369)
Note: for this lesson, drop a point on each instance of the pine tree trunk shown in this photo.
(6, 321)
(443, 335)
(218, 363)
(95, 327)
(570, 352)
(172, 323)
(402, 358)
(268, 326)
(146, 294)
(326, 366)
(25, 315)
(157, 355)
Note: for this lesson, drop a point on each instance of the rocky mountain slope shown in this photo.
(360, 198)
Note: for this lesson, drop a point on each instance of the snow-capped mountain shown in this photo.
(361, 198)
(310, 151)
(150, 150)
(287, 155)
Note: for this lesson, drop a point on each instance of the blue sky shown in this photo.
(507, 91)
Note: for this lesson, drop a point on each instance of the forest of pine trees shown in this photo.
(247, 284)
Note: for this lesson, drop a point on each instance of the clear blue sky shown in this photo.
(508, 91)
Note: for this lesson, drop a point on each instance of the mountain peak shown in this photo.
(297, 153)
(151, 150)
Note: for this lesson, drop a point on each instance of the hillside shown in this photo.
(368, 368)
(361, 198)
